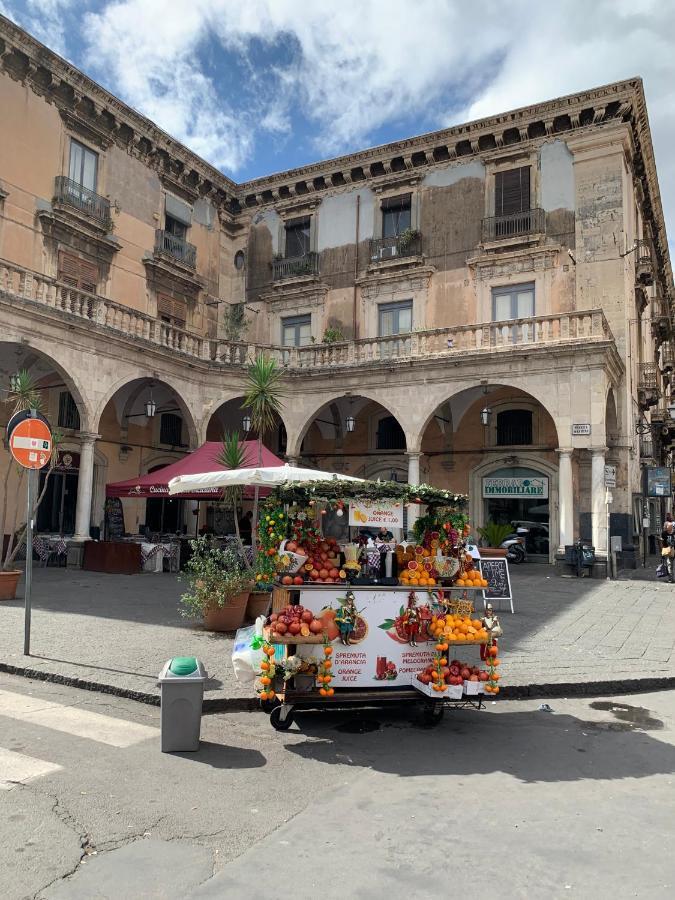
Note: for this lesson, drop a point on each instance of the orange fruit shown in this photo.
(264, 666)
(323, 692)
(265, 680)
(330, 692)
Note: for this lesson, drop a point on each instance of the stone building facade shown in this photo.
(486, 308)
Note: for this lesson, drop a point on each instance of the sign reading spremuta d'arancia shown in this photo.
(516, 487)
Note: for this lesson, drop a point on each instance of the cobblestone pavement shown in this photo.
(116, 632)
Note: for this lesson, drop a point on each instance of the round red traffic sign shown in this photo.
(31, 444)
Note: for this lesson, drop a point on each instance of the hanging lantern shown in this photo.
(485, 414)
(246, 424)
(150, 406)
(350, 423)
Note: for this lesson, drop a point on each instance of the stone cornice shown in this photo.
(87, 105)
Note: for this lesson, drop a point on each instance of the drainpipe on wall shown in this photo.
(356, 266)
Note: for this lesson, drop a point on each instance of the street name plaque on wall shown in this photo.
(581, 429)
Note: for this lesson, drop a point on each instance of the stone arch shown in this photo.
(302, 422)
(444, 394)
(215, 407)
(143, 381)
(525, 460)
(28, 354)
(612, 425)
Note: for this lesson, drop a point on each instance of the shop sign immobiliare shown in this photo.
(515, 487)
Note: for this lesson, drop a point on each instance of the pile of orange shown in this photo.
(457, 629)
(417, 578)
(471, 578)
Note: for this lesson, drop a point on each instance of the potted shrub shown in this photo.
(219, 586)
(492, 535)
(24, 394)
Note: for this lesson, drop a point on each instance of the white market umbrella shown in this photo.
(264, 476)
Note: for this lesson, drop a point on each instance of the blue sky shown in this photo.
(258, 86)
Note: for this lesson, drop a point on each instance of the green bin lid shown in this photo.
(183, 665)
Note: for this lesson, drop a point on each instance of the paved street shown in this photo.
(574, 802)
(117, 631)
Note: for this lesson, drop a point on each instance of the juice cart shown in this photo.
(343, 633)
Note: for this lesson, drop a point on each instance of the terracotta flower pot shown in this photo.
(8, 583)
(492, 552)
(227, 618)
(258, 604)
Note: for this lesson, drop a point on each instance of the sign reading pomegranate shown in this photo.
(30, 443)
(378, 653)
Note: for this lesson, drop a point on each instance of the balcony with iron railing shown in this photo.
(406, 244)
(69, 193)
(295, 266)
(648, 385)
(522, 224)
(167, 244)
(644, 263)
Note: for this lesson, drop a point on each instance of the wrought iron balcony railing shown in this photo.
(399, 245)
(648, 379)
(497, 228)
(644, 263)
(81, 198)
(292, 266)
(170, 245)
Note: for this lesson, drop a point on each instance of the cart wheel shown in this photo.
(433, 713)
(279, 723)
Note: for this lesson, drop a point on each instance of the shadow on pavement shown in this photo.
(532, 746)
(221, 756)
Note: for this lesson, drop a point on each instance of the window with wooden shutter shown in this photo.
(172, 311)
(512, 191)
(77, 272)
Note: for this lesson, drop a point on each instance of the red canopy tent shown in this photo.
(203, 459)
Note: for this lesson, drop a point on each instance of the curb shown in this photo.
(248, 704)
(221, 704)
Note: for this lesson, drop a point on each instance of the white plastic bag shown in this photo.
(245, 660)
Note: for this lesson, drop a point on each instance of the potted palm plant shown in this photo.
(218, 586)
(24, 394)
(492, 535)
(263, 396)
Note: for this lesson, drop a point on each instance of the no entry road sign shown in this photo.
(30, 443)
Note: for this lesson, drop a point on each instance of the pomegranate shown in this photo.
(307, 616)
(314, 574)
(315, 626)
(287, 579)
(298, 580)
(294, 628)
(334, 573)
(323, 573)
(280, 628)
(292, 547)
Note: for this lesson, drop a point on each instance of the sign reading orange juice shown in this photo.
(375, 513)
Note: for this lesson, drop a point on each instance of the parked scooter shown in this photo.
(515, 546)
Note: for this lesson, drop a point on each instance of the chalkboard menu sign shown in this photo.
(496, 573)
(114, 518)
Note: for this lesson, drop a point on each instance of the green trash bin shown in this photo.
(181, 683)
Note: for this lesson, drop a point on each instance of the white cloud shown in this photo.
(355, 67)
